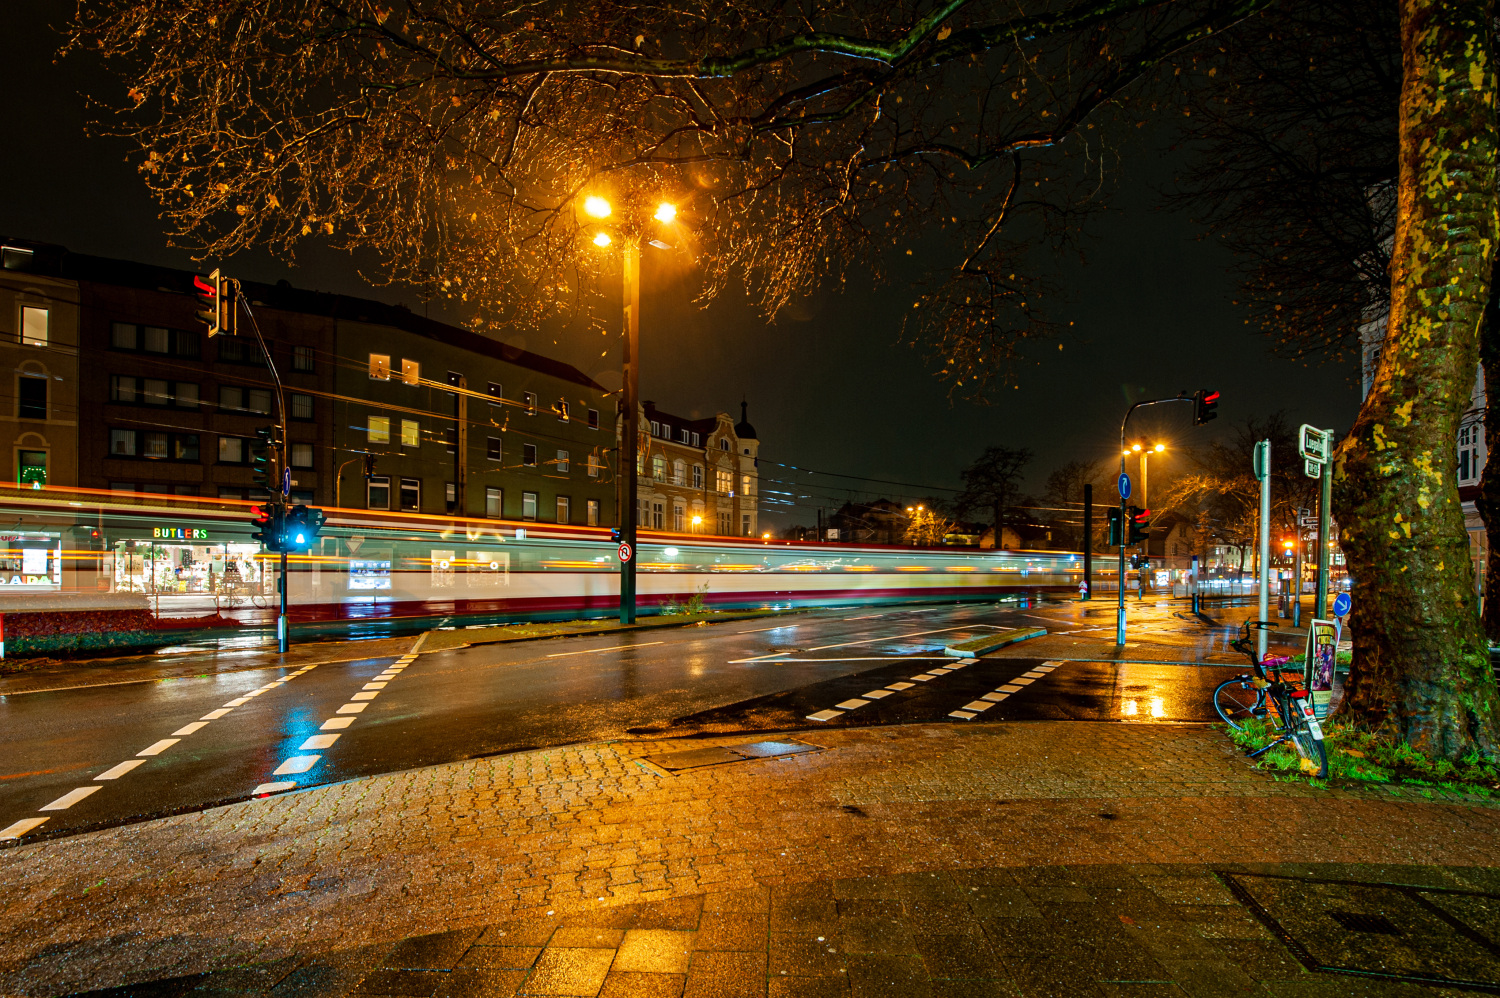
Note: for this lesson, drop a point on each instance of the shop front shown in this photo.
(187, 561)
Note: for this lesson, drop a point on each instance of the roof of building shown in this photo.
(703, 427)
(58, 261)
(743, 429)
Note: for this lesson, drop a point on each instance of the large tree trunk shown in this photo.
(1421, 669)
(1489, 485)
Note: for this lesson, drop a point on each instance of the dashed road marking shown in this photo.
(318, 742)
(876, 694)
(20, 828)
(851, 704)
(334, 723)
(157, 748)
(597, 651)
(296, 764)
(898, 687)
(115, 772)
(188, 729)
(352, 708)
(271, 788)
(825, 715)
(70, 798)
(214, 715)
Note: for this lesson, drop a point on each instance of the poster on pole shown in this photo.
(1317, 666)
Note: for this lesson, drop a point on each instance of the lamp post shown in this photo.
(630, 257)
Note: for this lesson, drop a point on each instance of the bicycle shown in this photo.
(1285, 706)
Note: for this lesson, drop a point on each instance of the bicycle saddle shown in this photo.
(1275, 660)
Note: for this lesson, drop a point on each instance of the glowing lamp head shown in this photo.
(1160, 447)
(665, 212)
(765, 537)
(1135, 447)
(596, 207)
(601, 239)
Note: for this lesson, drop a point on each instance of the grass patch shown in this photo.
(1357, 756)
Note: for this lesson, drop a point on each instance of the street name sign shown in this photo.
(1315, 444)
(1311, 468)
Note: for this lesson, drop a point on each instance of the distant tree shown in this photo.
(1064, 497)
(992, 484)
(926, 527)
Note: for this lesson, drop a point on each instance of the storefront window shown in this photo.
(186, 562)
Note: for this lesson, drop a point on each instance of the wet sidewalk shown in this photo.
(1027, 858)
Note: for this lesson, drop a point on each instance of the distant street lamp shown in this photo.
(630, 255)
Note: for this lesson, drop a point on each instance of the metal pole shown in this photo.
(1193, 581)
(1325, 525)
(1088, 539)
(282, 624)
(1145, 480)
(1263, 472)
(630, 443)
(1297, 575)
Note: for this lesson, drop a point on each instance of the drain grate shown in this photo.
(1398, 932)
(718, 755)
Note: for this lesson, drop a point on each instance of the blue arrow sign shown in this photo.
(1341, 604)
(1124, 486)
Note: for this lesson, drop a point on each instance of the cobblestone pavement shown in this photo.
(311, 893)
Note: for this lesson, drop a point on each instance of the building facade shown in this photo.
(697, 476)
(39, 355)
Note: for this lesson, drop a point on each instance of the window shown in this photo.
(379, 430)
(411, 372)
(561, 408)
(185, 447)
(492, 448)
(411, 494)
(723, 443)
(744, 485)
(31, 397)
(723, 481)
(34, 329)
(233, 351)
(130, 487)
(31, 467)
(593, 464)
(302, 407)
(686, 437)
(450, 496)
(643, 516)
(745, 525)
(679, 517)
(302, 455)
(411, 433)
(529, 398)
(1470, 452)
(679, 472)
(655, 428)
(232, 450)
(232, 398)
(302, 358)
(153, 339)
(593, 419)
(528, 505)
(154, 445)
(528, 455)
(151, 391)
(378, 492)
(658, 468)
(494, 502)
(656, 515)
(697, 476)
(494, 391)
(564, 509)
(562, 461)
(724, 521)
(122, 443)
(450, 439)
(380, 367)
(695, 441)
(593, 509)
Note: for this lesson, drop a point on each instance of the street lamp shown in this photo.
(630, 254)
(1145, 453)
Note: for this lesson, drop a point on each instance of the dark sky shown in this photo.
(828, 385)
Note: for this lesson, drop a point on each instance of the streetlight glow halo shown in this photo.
(596, 206)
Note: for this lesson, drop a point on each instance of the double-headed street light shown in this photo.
(630, 238)
(1145, 452)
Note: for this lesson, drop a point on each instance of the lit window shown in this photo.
(380, 429)
(494, 502)
(562, 460)
(34, 326)
(744, 485)
(528, 505)
(411, 372)
(564, 509)
(593, 508)
(380, 366)
(723, 481)
(411, 433)
(659, 468)
(231, 450)
(593, 464)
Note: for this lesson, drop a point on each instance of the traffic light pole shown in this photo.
(277, 493)
(1124, 521)
(630, 439)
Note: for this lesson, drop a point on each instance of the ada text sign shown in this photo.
(1124, 486)
(1315, 444)
(625, 551)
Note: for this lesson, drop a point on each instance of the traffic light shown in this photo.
(265, 459)
(302, 526)
(369, 466)
(1114, 528)
(270, 523)
(1205, 406)
(1140, 525)
(614, 535)
(216, 301)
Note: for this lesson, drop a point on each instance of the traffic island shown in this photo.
(975, 647)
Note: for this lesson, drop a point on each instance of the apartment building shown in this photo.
(698, 476)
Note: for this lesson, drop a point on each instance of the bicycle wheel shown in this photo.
(1306, 737)
(1235, 700)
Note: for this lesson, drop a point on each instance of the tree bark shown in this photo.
(1421, 669)
(1489, 484)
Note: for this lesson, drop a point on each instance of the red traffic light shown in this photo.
(204, 288)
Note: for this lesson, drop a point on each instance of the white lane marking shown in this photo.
(214, 715)
(597, 651)
(923, 678)
(373, 686)
(366, 695)
(996, 696)
(1022, 681)
(318, 742)
(115, 772)
(188, 729)
(334, 723)
(296, 764)
(978, 705)
(352, 708)
(898, 687)
(867, 641)
(825, 715)
(778, 627)
(876, 694)
(1009, 689)
(271, 788)
(70, 798)
(961, 715)
(1052, 665)
(238, 702)
(851, 704)
(775, 660)
(157, 748)
(966, 661)
(21, 827)
(1034, 675)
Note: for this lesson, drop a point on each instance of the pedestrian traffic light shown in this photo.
(270, 523)
(265, 459)
(1205, 406)
(369, 466)
(1115, 533)
(1140, 525)
(302, 526)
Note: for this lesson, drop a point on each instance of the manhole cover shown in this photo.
(1394, 931)
(718, 755)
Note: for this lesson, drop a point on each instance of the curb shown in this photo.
(988, 643)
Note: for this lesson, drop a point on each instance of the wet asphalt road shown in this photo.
(97, 756)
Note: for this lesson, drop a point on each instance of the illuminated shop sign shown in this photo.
(180, 533)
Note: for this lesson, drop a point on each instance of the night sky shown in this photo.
(829, 387)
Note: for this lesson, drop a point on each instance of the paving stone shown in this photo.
(654, 951)
(501, 957)
(402, 982)
(796, 954)
(642, 985)
(481, 982)
(522, 933)
(581, 937)
(958, 957)
(746, 931)
(808, 987)
(439, 951)
(569, 971)
(726, 975)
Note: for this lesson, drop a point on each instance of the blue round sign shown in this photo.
(1124, 486)
(1341, 604)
